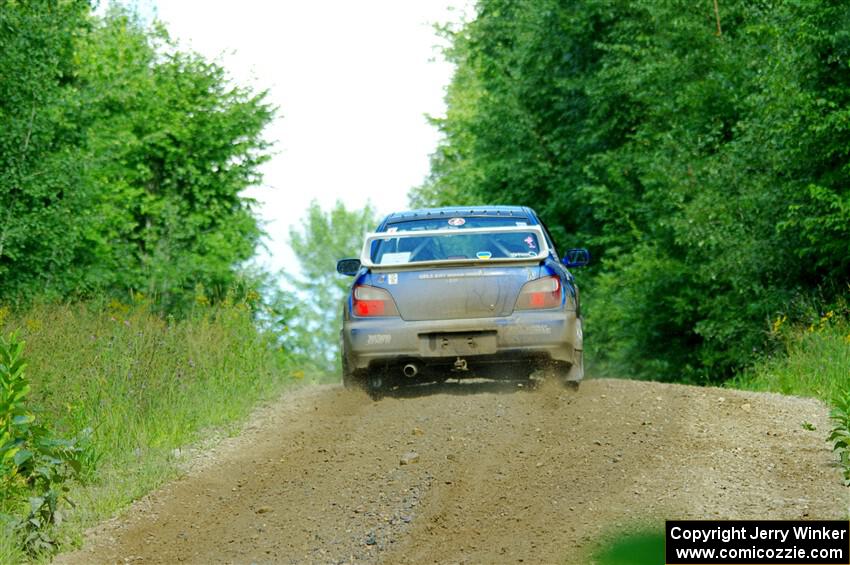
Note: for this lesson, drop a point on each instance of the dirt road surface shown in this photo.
(493, 473)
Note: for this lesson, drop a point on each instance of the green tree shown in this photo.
(706, 171)
(322, 239)
(171, 145)
(122, 158)
(41, 196)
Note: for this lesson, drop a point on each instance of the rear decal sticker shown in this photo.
(483, 254)
(530, 241)
(457, 222)
(489, 272)
(392, 278)
(395, 258)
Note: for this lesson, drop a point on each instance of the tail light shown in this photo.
(372, 301)
(539, 294)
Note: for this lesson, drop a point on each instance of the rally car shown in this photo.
(445, 293)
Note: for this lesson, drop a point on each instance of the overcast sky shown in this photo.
(353, 82)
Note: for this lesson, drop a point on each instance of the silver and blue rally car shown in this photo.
(461, 292)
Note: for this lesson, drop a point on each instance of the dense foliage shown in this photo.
(34, 464)
(706, 168)
(122, 158)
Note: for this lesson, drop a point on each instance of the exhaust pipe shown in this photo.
(410, 370)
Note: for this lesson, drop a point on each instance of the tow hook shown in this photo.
(460, 365)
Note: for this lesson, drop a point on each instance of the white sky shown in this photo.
(353, 82)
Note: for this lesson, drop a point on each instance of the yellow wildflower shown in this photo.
(777, 323)
(825, 318)
(116, 307)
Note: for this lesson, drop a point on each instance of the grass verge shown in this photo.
(813, 360)
(145, 385)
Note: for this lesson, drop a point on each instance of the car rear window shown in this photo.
(455, 246)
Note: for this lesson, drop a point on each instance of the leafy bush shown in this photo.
(840, 434)
(33, 464)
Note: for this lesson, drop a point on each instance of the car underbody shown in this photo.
(381, 377)
(379, 355)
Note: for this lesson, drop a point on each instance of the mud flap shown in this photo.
(575, 374)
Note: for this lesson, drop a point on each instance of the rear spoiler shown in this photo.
(366, 254)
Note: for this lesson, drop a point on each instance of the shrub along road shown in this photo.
(480, 472)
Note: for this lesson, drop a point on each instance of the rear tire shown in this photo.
(373, 381)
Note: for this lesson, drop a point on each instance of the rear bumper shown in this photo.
(554, 335)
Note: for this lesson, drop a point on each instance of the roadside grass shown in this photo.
(813, 360)
(145, 385)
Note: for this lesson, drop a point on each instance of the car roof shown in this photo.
(465, 211)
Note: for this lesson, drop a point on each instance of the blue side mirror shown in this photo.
(578, 257)
(348, 266)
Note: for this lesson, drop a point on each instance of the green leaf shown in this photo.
(23, 419)
(22, 456)
(36, 503)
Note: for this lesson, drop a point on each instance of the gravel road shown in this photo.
(479, 472)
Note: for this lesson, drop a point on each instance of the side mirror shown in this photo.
(348, 266)
(578, 257)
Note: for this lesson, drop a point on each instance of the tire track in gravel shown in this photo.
(504, 475)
